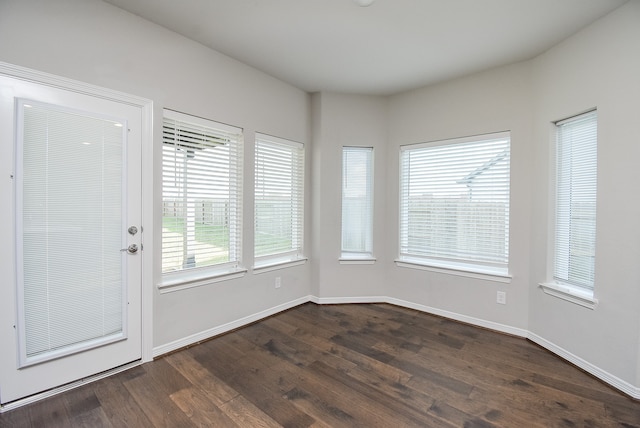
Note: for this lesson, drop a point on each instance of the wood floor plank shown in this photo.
(154, 401)
(344, 366)
(360, 343)
(16, 418)
(329, 400)
(313, 404)
(245, 414)
(51, 412)
(528, 382)
(327, 351)
(344, 358)
(248, 375)
(118, 404)
(280, 345)
(468, 366)
(195, 404)
(216, 390)
(489, 382)
(166, 377)
(81, 400)
(94, 418)
(623, 410)
(224, 361)
(384, 409)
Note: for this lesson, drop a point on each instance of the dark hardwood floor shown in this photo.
(369, 365)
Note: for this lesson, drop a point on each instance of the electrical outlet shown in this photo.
(278, 282)
(501, 297)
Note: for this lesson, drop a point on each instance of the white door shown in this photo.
(70, 227)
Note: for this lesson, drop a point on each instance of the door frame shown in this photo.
(146, 171)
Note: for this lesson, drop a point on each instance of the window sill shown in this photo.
(570, 293)
(280, 264)
(459, 270)
(184, 280)
(355, 258)
(357, 261)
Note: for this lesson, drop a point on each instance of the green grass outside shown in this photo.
(216, 236)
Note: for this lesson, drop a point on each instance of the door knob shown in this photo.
(131, 249)
(132, 230)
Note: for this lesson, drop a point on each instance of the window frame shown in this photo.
(563, 229)
(196, 276)
(294, 254)
(365, 253)
(496, 271)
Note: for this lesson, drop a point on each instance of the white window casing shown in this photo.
(454, 205)
(575, 209)
(202, 199)
(357, 204)
(279, 202)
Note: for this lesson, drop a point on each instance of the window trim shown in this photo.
(359, 257)
(293, 256)
(356, 259)
(174, 282)
(571, 293)
(457, 270)
(198, 276)
(566, 290)
(487, 271)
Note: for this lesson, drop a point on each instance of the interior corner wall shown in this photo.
(346, 120)
(598, 67)
(97, 43)
(493, 101)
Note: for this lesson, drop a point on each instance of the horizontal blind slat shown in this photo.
(279, 193)
(455, 200)
(202, 193)
(576, 187)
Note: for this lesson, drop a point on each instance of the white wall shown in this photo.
(598, 67)
(346, 120)
(94, 42)
(497, 100)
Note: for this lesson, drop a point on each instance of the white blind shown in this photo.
(576, 176)
(454, 201)
(279, 199)
(357, 201)
(201, 193)
(70, 230)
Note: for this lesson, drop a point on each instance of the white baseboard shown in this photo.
(215, 331)
(422, 308)
(608, 378)
(346, 300)
(614, 381)
(459, 317)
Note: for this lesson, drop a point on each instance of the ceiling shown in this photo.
(388, 47)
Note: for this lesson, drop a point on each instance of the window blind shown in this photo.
(70, 232)
(454, 202)
(279, 200)
(201, 193)
(576, 179)
(357, 202)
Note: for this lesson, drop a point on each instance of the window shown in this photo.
(575, 209)
(279, 201)
(70, 214)
(357, 203)
(201, 195)
(454, 204)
